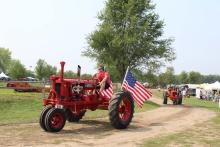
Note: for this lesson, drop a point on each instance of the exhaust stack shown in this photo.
(62, 63)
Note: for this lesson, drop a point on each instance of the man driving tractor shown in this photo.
(103, 78)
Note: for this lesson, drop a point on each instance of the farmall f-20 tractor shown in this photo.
(174, 94)
(70, 98)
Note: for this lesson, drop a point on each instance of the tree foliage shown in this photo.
(5, 58)
(129, 34)
(86, 76)
(210, 78)
(183, 77)
(30, 73)
(69, 74)
(114, 73)
(44, 70)
(195, 77)
(16, 70)
(167, 77)
(152, 79)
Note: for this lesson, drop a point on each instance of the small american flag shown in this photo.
(138, 91)
(107, 93)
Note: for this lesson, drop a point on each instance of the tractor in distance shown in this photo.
(70, 98)
(174, 94)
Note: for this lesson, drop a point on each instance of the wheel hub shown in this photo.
(57, 120)
(125, 109)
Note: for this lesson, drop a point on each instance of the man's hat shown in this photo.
(102, 67)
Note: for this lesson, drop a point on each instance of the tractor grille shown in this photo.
(57, 88)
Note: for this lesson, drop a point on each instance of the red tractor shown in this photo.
(70, 98)
(174, 94)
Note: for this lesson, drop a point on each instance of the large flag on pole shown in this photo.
(138, 91)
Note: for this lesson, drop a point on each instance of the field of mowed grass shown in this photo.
(2, 84)
(17, 107)
(25, 107)
(206, 134)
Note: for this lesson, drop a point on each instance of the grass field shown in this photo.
(17, 107)
(2, 84)
(206, 134)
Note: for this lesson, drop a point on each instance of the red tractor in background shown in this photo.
(70, 98)
(174, 94)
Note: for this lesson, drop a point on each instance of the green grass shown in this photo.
(2, 84)
(195, 102)
(18, 107)
(206, 134)
(158, 93)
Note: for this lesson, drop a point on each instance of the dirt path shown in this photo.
(98, 132)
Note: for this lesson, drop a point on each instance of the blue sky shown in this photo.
(56, 30)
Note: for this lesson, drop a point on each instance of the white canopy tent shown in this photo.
(207, 88)
(193, 86)
(215, 86)
(3, 75)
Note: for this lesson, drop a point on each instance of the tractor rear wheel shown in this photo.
(175, 102)
(55, 120)
(180, 99)
(121, 109)
(71, 117)
(42, 117)
(165, 98)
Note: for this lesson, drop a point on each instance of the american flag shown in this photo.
(138, 91)
(107, 93)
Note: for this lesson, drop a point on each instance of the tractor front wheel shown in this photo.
(165, 98)
(42, 117)
(55, 120)
(121, 109)
(175, 102)
(180, 99)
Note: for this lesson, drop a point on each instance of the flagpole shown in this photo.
(125, 76)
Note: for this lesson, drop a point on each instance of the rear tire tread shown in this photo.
(115, 120)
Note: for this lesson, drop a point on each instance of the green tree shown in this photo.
(86, 76)
(183, 77)
(51, 70)
(210, 78)
(195, 77)
(151, 78)
(69, 74)
(16, 70)
(5, 58)
(129, 34)
(168, 77)
(114, 73)
(44, 70)
(30, 73)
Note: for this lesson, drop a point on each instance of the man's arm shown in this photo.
(104, 79)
